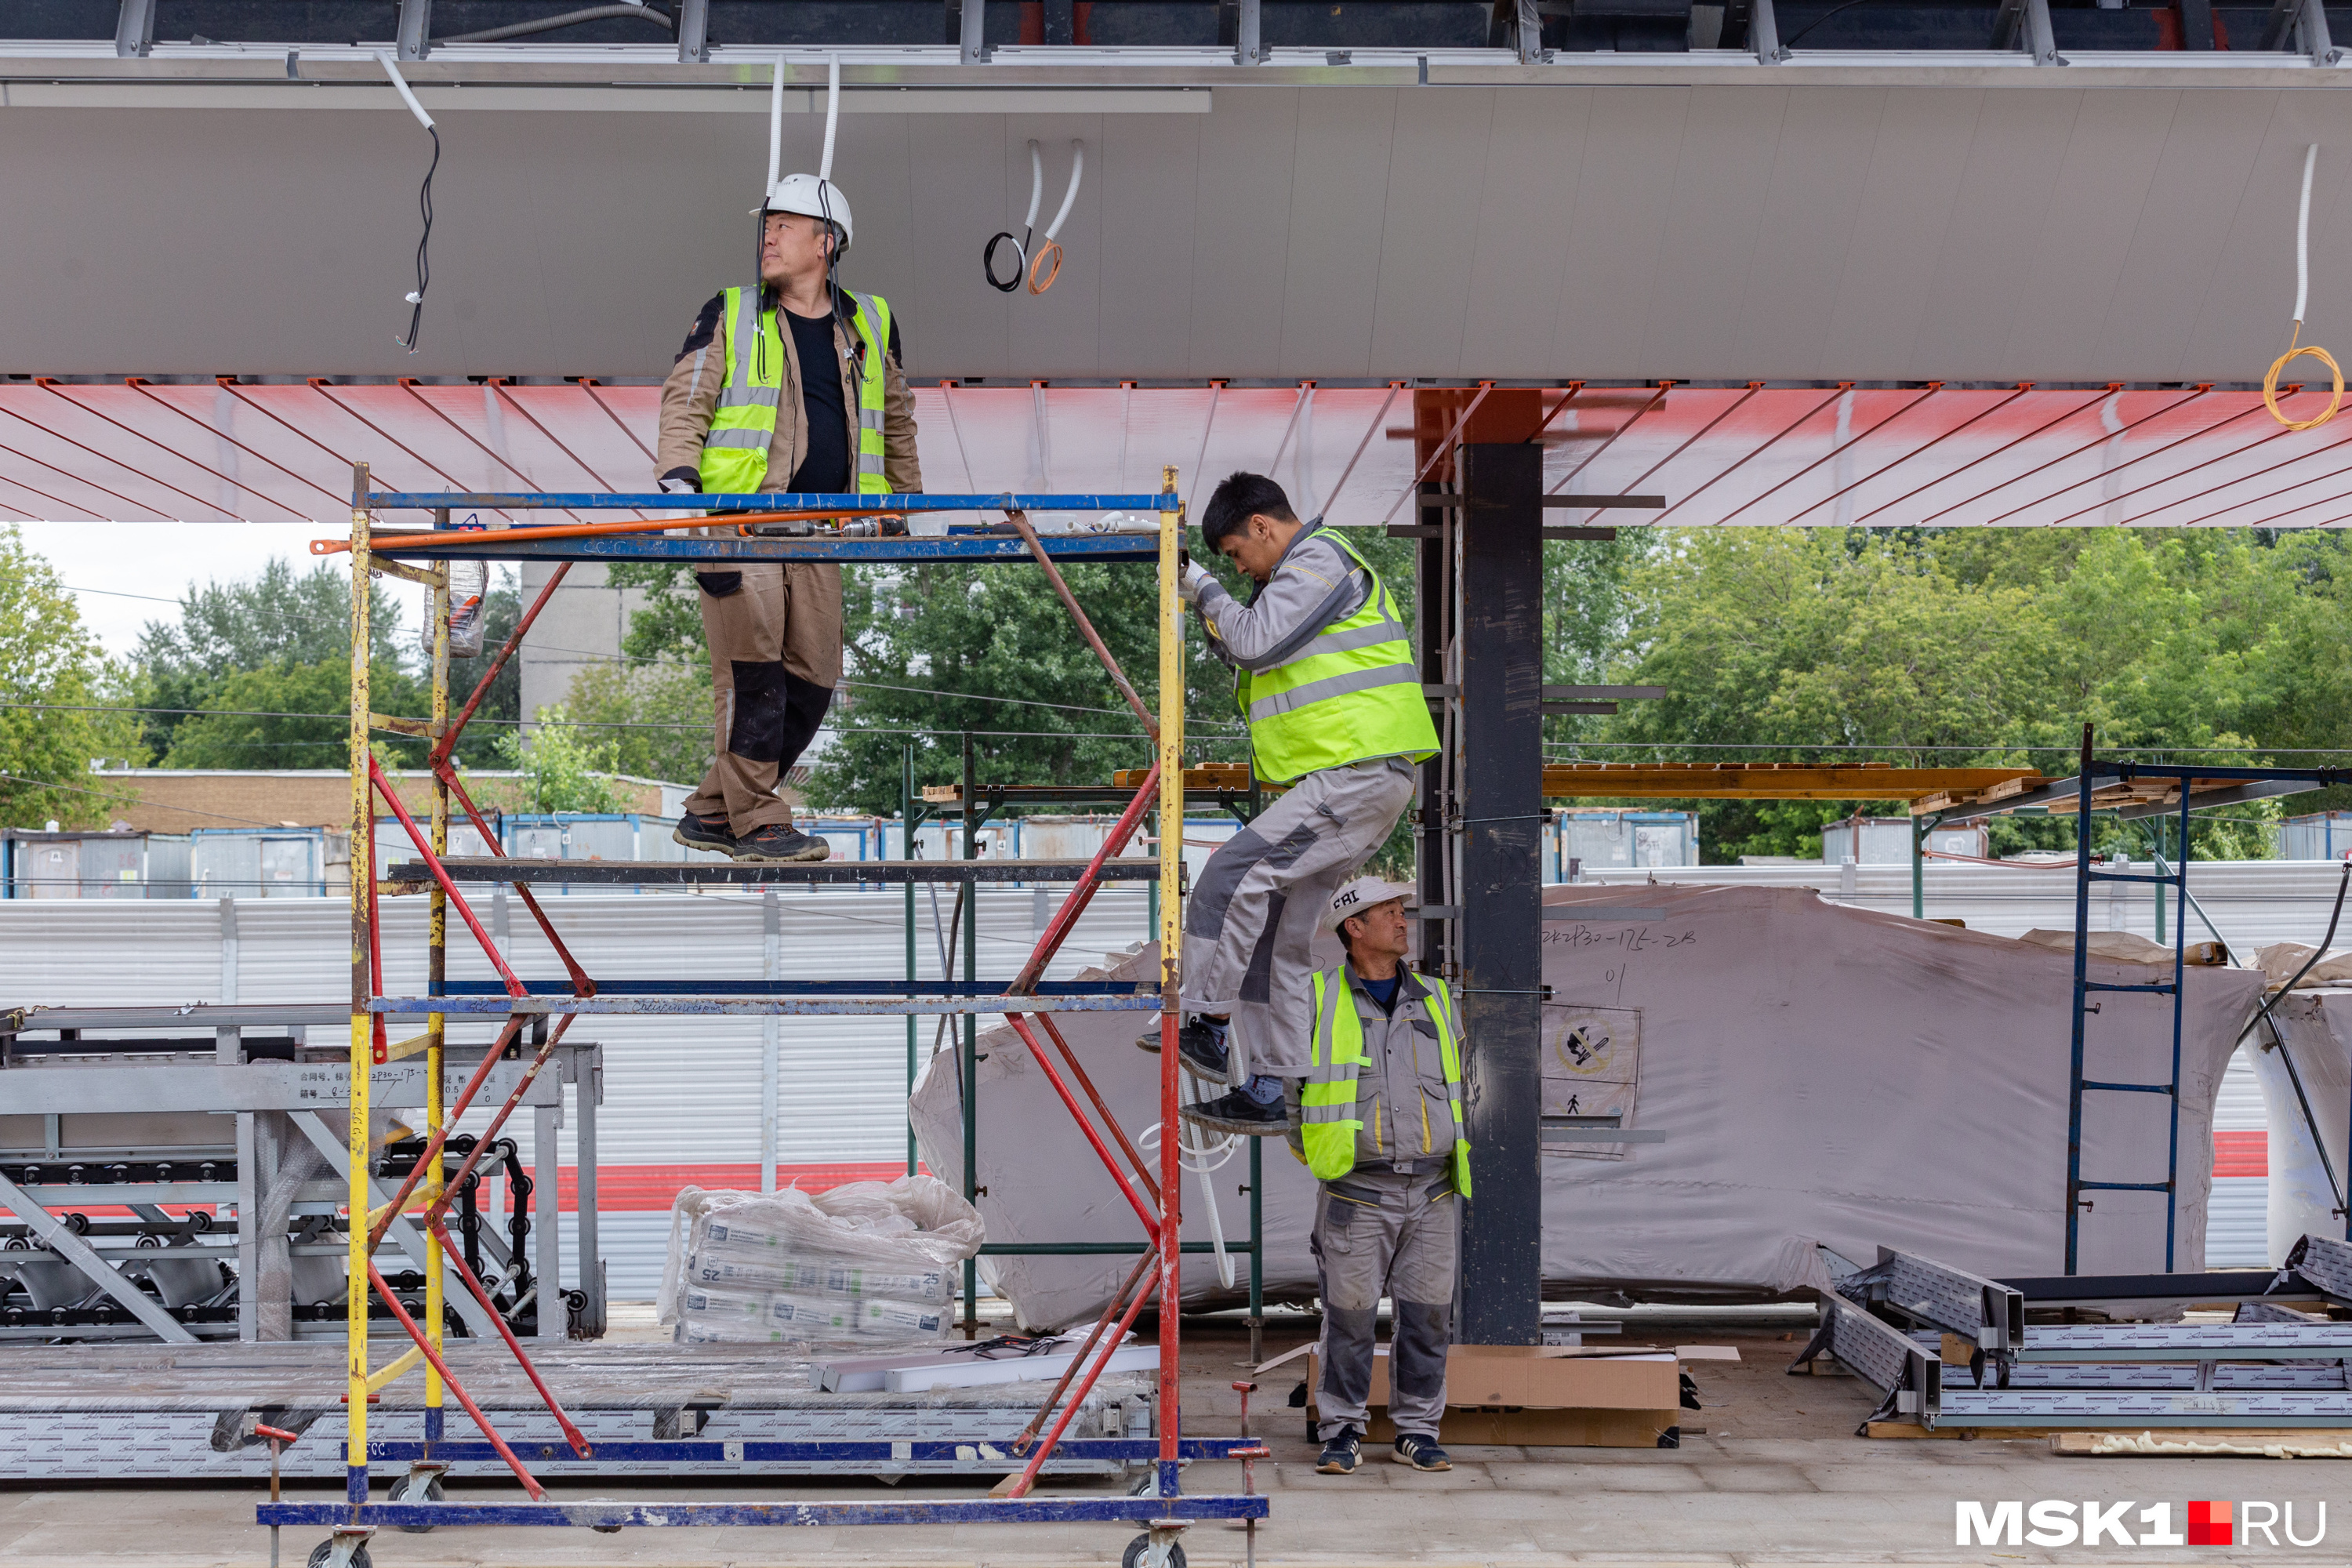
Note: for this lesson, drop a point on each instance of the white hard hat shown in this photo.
(1361, 895)
(812, 198)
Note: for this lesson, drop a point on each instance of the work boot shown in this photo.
(1200, 1046)
(1341, 1453)
(703, 833)
(1419, 1450)
(779, 841)
(1238, 1112)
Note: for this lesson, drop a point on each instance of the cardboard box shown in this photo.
(1533, 1395)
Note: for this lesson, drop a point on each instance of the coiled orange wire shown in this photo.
(2296, 349)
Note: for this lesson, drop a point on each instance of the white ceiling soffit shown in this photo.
(1335, 229)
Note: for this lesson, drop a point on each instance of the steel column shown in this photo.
(1498, 821)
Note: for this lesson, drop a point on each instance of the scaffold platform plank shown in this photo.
(822, 873)
(1772, 781)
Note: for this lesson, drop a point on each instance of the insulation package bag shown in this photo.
(713, 1315)
(879, 1256)
(747, 1257)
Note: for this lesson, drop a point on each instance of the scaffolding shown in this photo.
(802, 528)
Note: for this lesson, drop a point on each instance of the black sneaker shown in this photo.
(703, 833)
(1237, 1112)
(1419, 1450)
(1341, 1454)
(779, 841)
(1197, 1047)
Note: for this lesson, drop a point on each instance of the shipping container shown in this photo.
(2320, 836)
(1598, 841)
(1886, 841)
(107, 864)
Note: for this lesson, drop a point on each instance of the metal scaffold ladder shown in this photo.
(1028, 1004)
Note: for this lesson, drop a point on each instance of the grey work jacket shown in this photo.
(1400, 1091)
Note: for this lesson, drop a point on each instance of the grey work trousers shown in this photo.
(1381, 1233)
(1250, 923)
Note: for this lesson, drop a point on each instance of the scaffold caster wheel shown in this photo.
(415, 1487)
(1139, 1553)
(324, 1553)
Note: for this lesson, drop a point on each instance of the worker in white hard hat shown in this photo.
(795, 385)
(1380, 1127)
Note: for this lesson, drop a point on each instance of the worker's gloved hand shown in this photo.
(1196, 577)
(681, 481)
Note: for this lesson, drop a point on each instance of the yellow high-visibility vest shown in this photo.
(1351, 694)
(1329, 1117)
(735, 452)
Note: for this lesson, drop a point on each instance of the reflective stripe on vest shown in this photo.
(1329, 1114)
(1351, 693)
(735, 451)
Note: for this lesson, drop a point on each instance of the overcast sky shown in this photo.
(119, 571)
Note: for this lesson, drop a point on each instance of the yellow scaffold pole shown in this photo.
(1172, 855)
(436, 1025)
(355, 1292)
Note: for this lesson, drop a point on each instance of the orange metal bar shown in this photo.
(599, 530)
(530, 1484)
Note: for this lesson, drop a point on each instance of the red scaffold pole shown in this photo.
(1079, 1396)
(581, 985)
(450, 1251)
(472, 1409)
(448, 889)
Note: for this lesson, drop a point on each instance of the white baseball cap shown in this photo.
(1361, 895)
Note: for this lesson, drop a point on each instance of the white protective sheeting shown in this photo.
(2317, 1027)
(2237, 1213)
(1822, 1075)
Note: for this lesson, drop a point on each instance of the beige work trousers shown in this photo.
(775, 631)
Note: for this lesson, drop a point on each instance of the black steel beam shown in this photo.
(1499, 819)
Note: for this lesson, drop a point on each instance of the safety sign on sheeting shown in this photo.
(1592, 1077)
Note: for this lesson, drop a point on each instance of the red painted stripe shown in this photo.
(2242, 1154)
(651, 1189)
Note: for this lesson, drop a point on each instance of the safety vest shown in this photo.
(735, 452)
(1353, 692)
(1330, 1120)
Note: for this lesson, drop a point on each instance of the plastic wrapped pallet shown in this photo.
(871, 1262)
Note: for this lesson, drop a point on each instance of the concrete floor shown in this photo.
(1776, 1476)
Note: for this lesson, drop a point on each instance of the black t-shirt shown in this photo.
(825, 468)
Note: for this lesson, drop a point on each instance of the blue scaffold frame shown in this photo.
(412, 554)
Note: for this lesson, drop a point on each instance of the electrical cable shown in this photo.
(2296, 348)
(1028, 230)
(1053, 251)
(424, 204)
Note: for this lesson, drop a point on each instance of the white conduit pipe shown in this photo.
(1036, 188)
(775, 128)
(832, 115)
(425, 120)
(1078, 167)
(2302, 234)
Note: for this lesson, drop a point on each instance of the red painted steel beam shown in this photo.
(2103, 437)
(1656, 398)
(530, 1485)
(548, 1296)
(2113, 388)
(2023, 388)
(1843, 388)
(1852, 442)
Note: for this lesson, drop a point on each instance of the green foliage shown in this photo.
(562, 768)
(246, 717)
(51, 669)
(654, 718)
(1978, 646)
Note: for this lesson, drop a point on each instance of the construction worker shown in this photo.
(1380, 1127)
(794, 386)
(1328, 683)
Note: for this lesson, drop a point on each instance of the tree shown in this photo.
(1972, 648)
(560, 768)
(293, 716)
(62, 700)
